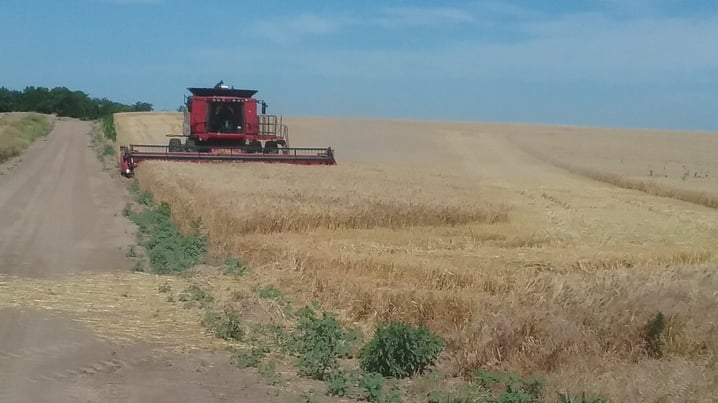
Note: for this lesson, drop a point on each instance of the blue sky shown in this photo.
(624, 63)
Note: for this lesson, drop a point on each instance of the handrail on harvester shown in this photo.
(132, 155)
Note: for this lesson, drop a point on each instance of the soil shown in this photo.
(61, 216)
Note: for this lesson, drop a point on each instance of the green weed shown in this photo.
(511, 387)
(488, 386)
(142, 197)
(319, 342)
(566, 398)
(226, 324)
(108, 126)
(194, 294)
(274, 335)
(337, 383)
(269, 293)
(235, 267)
(398, 350)
(251, 358)
(371, 385)
(168, 250)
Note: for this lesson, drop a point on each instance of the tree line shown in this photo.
(64, 102)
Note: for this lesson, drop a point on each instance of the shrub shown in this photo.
(337, 383)
(319, 342)
(225, 325)
(251, 358)
(398, 350)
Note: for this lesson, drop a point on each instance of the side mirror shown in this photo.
(264, 108)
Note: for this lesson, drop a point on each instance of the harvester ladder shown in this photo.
(272, 125)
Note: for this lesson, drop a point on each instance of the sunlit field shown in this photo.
(19, 130)
(532, 249)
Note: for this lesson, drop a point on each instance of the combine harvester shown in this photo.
(223, 124)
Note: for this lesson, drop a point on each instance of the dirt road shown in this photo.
(61, 215)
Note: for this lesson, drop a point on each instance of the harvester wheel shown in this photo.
(270, 147)
(175, 145)
(254, 147)
(190, 146)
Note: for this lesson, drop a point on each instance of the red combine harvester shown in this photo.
(223, 124)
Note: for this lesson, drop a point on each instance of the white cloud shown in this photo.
(289, 30)
(422, 16)
(570, 46)
(586, 46)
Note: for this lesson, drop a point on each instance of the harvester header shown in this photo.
(224, 124)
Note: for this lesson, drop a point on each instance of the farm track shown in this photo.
(61, 217)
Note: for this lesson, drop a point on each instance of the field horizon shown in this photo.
(527, 124)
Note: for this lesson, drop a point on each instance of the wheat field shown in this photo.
(534, 249)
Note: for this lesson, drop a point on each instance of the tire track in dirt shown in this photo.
(38, 354)
(112, 366)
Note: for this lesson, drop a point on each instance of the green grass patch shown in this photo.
(108, 126)
(103, 146)
(250, 358)
(235, 267)
(168, 250)
(196, 295)
(269, 293)
(16, 134)
(489, 386)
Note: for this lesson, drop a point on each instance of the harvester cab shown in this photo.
(223, 124)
